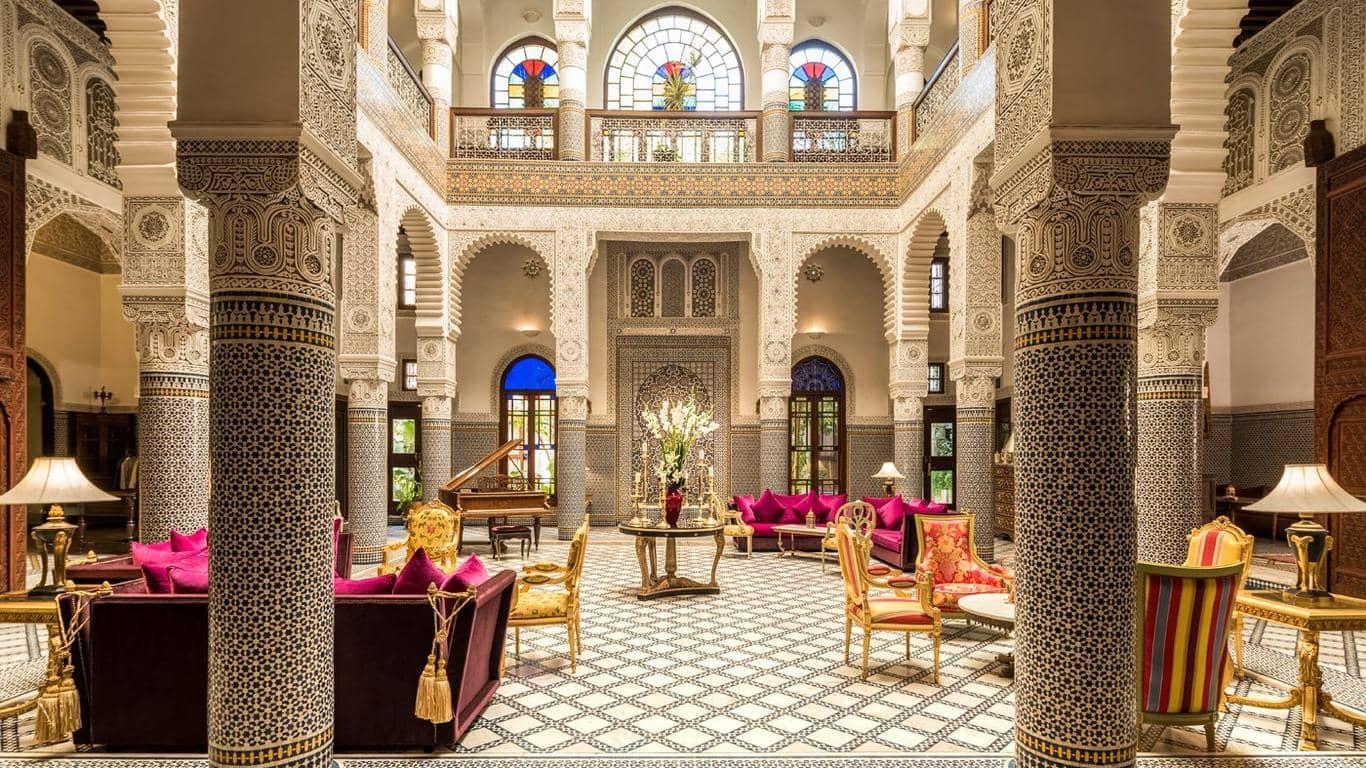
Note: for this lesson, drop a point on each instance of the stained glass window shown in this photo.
(527, 76)
(529, 414)
(822, 80)
(816, 427)
(678, 43)
(529, 373)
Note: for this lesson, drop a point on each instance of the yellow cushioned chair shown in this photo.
(432, 526)
(1220, 542)
(543, 607)
(860, 515)
(735, 526)
(899, 612)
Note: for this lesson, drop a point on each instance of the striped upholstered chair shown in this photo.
(1220, 542)
(898, 612)
(1183, 664)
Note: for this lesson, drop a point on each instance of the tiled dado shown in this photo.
(1249, 448)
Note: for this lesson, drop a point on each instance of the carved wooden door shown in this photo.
(13, 367)
(1340, 354)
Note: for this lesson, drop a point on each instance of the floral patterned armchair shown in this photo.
(432, 526)
(948, 557)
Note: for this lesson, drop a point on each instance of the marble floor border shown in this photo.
(923, 760)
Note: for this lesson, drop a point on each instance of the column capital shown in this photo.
(773, 402)
(572, 401)
(1172, 341)
(437, 20)
(907, 407)
(976, 383)
(367, 393)
(213, 163)
(436, 407)
(169, 343)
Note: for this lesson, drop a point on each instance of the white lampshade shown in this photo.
(54, 481)
(888, 472)
(1306, 489)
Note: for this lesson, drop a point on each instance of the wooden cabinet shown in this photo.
(1003, 490)
(99, 441)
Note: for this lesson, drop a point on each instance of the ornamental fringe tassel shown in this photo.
(434, 693)
(59, 711)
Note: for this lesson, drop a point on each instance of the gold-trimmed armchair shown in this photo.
(432, 526)
(543, 607)
(1185, 615)
(1221, 542)
(899, 612)
(859, 514)
(949, 558)
(735, 526)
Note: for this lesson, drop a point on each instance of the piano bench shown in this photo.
(498, 534)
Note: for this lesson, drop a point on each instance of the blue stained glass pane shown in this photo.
(529, 373)
(816, 374)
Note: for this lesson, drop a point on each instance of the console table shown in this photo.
(652, 585)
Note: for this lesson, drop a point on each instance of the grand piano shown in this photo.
(490, 498)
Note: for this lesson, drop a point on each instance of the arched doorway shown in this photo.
(528, 412)
(42, 419)
(816, 440)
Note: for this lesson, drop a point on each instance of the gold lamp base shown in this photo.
(54, 537)
(1311, 544)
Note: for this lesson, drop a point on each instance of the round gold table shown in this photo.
(652, 584)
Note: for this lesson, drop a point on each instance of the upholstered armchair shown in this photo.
(899, 612)
(1220, 542)
(735, 526)
(858, 514)
(432, 526)
(949, 559)
(1185, 618)
(559, 605)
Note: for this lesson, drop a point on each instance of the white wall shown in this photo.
(847, 305)
(1261, 349)
(497, 302)
(75, 320)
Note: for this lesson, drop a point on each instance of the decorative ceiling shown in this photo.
(66, 239)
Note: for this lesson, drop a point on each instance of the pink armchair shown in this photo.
(948, 557)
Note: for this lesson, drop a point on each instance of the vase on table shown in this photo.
(673, 506)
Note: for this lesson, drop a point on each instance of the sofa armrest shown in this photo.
(345, 552)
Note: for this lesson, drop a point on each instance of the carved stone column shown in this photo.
(773, 437)
(367, 467)
(775, 58)
(173, 426)
(374, 31)
(571, 40)
(436, 444)
(908, 40)
(908, 443)
(438, 33)
(777, 323)
(569, 313)
(1076, 205)
(571, 459)
(975, 415)
(969, 33)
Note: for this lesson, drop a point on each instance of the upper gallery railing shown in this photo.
(408, 85)
(843, 137)
(938, 89)
(507, 134)
(673, 137)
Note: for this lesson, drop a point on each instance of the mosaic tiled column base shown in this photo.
(367, 457)
(173, 441)
(1168, 488)
(773, 444)
(975, 437)
(1076, 205)
(436, 445)
(571, 457)
(272, 417)
(908, 451)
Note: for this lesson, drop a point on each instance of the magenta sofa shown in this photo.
(121, 568)
(893, 536)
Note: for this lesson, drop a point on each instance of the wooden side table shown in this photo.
(794, 532)
(1340, 614)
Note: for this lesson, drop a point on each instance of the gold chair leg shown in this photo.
(573, 648)
(517, 642)
(867, 641)
(749, 546)
(908, 646)
(1209, 736)
(848, 636)
(1238, 645)
(936, 658)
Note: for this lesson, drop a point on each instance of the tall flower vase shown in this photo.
(673, 506)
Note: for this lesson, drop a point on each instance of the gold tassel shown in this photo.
(68, 705)
(49, 702)
(434, 693)
(59, 710)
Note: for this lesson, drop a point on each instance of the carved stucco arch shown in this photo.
(51, 370)
(431, 289)
(915, 281)
(806, 247)
(42, 209)
(1202, 42)
(465, 247)
(846, 370)
(1295, 211)
(496, 376)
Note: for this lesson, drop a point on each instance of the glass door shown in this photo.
(404, 438)
(940, 454)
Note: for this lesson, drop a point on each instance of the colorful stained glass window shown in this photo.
(529, 414)
(822, 80)
(527, 76)
(816, 427)
(677, 42)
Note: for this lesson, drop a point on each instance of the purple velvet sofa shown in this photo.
(141, 668)
(120, 567)
(893, 536)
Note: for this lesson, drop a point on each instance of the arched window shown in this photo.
(674, 59)
(816, 427)
(822, 80)
(527, 76)
(528, 414)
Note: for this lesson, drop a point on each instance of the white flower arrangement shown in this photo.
(678, 427)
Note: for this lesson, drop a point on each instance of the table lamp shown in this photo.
(888, 474)
(54, 481)
(1307, 490)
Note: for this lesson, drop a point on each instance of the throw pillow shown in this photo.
(891, 514)
(745, 506)
(158, 580)
(932, 508)
(417, 574)
(792, 516)
(193, 542)
(825, 505)
(159, 552)
(188, 581)
(470, 573)
(375, 585)
(767, 509)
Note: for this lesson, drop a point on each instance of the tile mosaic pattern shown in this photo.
(1263, 443)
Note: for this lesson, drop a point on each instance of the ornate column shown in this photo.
(275, 191)
(367, 459)
(908, 38)
(1178, 301)
(374, 31)
(910, 383)
(975, 414)
(775, 58)
(969, 33)
(571, 40)
(777, 324)
(773, 435)
(165, 291)
(569, 318)
(436, 29)
(1076, 204)
(436, 444)
(571, 458)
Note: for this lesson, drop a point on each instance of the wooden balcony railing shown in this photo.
(938, 90)
(673, 137)
(505, 134)
(843, 137)
(407, 83)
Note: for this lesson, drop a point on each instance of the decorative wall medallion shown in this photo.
(813, 272)
(531, 267)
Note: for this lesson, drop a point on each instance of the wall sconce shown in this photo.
(530, 332)
(815, 333)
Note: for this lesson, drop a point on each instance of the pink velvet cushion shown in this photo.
(891, 514)
(158, 580)
(192, 542)
(878, 502)
(375, 585)
(470, 573)
(825, 505)
(417, 574)
(886, 539)
(159, 552)
(933, 508)
(767, 509)
(791, 516)
(745, 506)
(188, 581)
